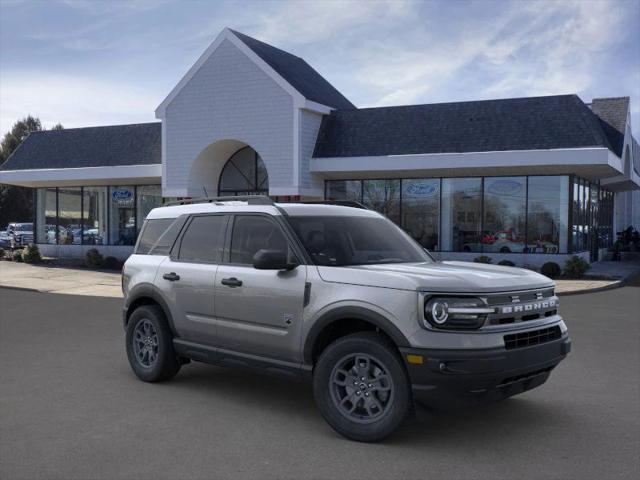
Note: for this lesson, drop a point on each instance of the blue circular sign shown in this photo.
(422, 190)
(505, 187)
(121, 194)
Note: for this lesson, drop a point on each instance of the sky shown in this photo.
(86, 63)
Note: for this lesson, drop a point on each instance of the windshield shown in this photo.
(23, 227)
(344, 241)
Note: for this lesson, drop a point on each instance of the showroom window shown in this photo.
(350, 190)
(461, 214)
(548, 211)
(421, 210)
(122, 218)
(504, 215)
(382, 196)
(46, 215)
(94, 215)
(69, 216)
(483, 215)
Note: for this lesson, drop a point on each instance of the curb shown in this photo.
(54, 292)
(24, 289)
(617, 284)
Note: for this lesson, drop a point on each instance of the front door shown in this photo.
(187, 278)
(258, 311)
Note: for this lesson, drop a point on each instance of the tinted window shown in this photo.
(151, 233)
(253, 233)
(343, 241)
(203, 240)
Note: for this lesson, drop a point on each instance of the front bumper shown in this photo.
(461, 377)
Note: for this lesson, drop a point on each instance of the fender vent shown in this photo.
(534, 337)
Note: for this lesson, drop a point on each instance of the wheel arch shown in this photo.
(327, 323)
(147, 294)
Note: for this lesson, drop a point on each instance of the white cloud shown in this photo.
(532, 48)
(314, 21)
(72, 100)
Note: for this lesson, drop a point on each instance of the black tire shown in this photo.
(395, 404)
(165, 362)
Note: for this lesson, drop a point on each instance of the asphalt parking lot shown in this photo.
(71, 408)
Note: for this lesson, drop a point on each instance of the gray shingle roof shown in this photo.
(298, 73)
(613, 116)
(562, 121)
(108, 146)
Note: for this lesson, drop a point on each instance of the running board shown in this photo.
(229, 358)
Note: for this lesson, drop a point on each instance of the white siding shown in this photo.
(229, 98)
(309, 127)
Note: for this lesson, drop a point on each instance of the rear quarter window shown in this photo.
(158, 235)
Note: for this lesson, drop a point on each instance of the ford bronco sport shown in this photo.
(339, 295)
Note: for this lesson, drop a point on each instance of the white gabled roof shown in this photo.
(227, 34)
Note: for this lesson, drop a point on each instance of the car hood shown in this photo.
(438, 277)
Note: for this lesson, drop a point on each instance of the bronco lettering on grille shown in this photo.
(528, 307)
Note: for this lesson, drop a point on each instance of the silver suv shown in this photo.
(338, 295)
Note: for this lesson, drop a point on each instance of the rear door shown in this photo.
(259, 311)
(187, 277)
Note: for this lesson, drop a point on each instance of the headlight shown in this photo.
(455, 312)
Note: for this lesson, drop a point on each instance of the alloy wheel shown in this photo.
(361, 388)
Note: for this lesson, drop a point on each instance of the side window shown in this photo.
(252, 233)
(203, 239)
(151, 232)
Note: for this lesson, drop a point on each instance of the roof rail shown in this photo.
(250, 199)
(342, 203)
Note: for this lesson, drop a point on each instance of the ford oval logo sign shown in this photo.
(421, 190)
(505, 187)
(121, 194)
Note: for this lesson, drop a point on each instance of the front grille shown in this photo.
(534, 337)
(505, 298)
(521, 306)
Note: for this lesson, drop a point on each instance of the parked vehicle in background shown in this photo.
(338, 295)
(5, 239)
(19, 234)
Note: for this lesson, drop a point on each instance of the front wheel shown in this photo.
(361, 387)
(150, 345)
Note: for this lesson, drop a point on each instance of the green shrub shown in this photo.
(551, 270)
(93, 258)
(482, 259)
(111, 263)
(506, 263)
(16, 256)
(1, 253)
(31, 254)
(575, 267)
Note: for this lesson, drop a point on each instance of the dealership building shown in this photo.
(525, 179)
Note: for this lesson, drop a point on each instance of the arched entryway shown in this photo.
(244, 174)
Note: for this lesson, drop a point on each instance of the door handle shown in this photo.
(231, 282)
(172, 277)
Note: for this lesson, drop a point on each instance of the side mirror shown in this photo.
(272, 260)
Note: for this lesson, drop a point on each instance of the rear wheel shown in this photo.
(361, 387)
(150, 346)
